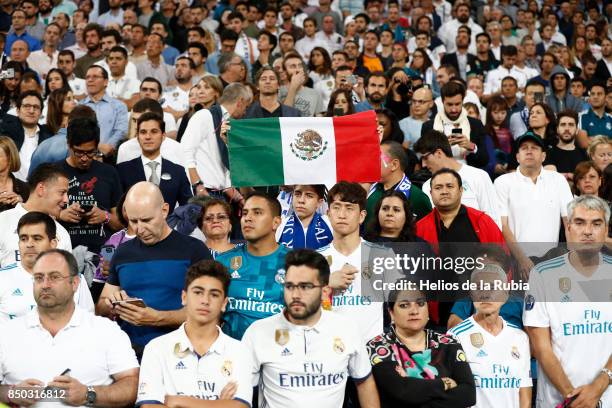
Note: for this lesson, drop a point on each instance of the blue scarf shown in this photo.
(318, 235)
(403, 186)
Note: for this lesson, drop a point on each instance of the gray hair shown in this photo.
(590, 202)
(235, 91)
(225, 59)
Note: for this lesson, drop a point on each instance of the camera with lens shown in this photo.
(403, 89)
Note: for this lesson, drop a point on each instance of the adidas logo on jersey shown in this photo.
(17, 292)
(286, 352)
(481, 353)
(235, 275)
(180, 366)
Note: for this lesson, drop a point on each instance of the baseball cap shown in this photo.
(530, 136)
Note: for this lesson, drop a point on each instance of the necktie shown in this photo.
(153, 178)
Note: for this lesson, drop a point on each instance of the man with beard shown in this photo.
(205, 354)
(176, 100)
(93, 36)
(448, 31)
(35, 27)
(485, 59)
(306, 100)
(461, 59)
(567, 312)
(303, 329)
(36, 233)
(268, 83)
(376, 91)
(37, 348)
(257, 268)
(565, 156)
(466, 135)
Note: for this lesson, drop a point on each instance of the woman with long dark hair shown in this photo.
(390, 124)
(56, 79)
(340, 99)
(319, 65)
(393, 220)
(498, 129)
(60, 103)
(543, 123)
(422, 64)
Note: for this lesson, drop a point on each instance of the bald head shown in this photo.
(147, 212)
(145, 191)
(422, 102)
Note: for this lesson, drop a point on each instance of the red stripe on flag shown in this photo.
(357, 147)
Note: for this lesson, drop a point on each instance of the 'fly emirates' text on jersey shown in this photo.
(581, 329)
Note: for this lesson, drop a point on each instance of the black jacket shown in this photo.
(11, 126)
(479, 159)
(451, 59)
(174, 185)
(256, 111)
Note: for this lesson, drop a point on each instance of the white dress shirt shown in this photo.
(170, 150)
(30, 143)
(147, 168)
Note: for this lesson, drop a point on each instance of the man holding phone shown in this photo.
(146, 274)
(465, 135)
(93, 190)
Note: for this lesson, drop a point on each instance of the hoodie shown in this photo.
(568, 101)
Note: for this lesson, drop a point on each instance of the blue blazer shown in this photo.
(174, 185)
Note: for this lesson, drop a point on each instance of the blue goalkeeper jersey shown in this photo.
(256, 289)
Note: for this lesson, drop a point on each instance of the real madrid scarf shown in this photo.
(403, 186)
(317, 235)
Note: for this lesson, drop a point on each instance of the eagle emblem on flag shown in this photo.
(308, 145)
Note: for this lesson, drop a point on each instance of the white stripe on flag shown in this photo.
(321, 168)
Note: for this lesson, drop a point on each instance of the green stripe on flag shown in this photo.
(255, 152)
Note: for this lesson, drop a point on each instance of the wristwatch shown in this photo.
(608, 373)
(91, 396)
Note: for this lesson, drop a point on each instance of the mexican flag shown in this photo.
(284, 151)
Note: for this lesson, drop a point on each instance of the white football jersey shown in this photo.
(9, 240)
(17, 293)
(352, 303)
(170, 366)
(500, 364)
(581, 329)
(305, 366)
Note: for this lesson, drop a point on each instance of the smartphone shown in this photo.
(338, 112)
(566, 402)
(86, 207)
(538, 97)
(455, 132)
(351, 79)
(107, 252)
(133, 301)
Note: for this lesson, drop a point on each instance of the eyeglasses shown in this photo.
(218, 217)
(30, 107)
(81, 153)
(52, 278)
(302, 287)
